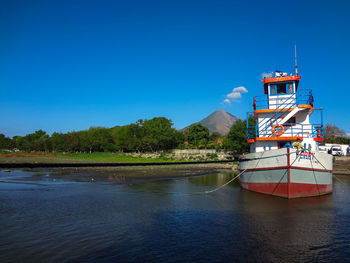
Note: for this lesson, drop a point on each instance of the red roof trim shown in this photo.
(279, 79)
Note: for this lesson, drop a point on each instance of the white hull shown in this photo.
(287, 173)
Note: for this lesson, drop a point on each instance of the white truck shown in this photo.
(336, 150)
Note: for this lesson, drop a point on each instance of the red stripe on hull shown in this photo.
(295, 189)
(285, 167)
(304, 190)
(278, 189)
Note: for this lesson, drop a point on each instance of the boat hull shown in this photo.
(287, 173)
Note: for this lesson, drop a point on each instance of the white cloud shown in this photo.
(240, 89)
(234, 95)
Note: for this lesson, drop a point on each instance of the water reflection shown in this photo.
(285, 226)
(130, 219)
(215, 180)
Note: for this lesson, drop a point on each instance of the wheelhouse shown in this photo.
(282, 115)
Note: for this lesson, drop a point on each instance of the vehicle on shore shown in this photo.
(339, 149)
(336, 151)
(282, 119)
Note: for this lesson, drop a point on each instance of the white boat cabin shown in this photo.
(282, 115)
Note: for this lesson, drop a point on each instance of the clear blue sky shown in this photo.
(69, 65)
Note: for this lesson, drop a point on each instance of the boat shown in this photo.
(281, 119)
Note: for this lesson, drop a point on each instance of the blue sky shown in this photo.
(69, 65)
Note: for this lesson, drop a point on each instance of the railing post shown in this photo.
(322, 123)
(247, 124)
(302, 130)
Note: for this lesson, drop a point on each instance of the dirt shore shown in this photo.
(120, 173)
(342, 165)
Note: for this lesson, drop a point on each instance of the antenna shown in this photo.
(295, 59)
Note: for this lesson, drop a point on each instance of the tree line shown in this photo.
(157, 134)
(333, 134)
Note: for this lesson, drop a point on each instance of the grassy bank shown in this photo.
(40, 157)
(113, 157)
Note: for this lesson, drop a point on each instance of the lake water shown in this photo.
(46, 218)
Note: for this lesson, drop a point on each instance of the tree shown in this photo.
(134, 138)
(72, 142)
(5, 142)
(120, 136)
(147, 135)
(236, 139)
(37, 141)
(158, 134)
(58, 142)
(179, 140)
(333, 134)
(20, 143)
(198, 135)
(96, 139)
(215, 141)
(101, 139)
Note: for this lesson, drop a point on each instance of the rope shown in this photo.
(338, 179)
(14, 182)
(313, 171)
(218, 188)
(326, 169)
(259, 158)
(214, 190)
(283, 176)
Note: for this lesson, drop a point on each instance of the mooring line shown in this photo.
(313, 170)
(15, 182)
(221, 186)
(283, 174)
(326, 169)
(257, 163)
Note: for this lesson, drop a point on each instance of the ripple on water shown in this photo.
(159, 220)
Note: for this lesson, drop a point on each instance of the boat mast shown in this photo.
(295, 59)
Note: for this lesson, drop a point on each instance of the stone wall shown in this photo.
(202, 153)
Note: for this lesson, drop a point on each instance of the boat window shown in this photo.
(272, 89)
(281, 88)
(266, 86)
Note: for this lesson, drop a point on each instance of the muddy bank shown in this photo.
(342, 165)
(120, 174)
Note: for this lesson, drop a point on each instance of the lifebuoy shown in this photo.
(280, 127)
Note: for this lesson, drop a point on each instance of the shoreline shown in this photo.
(69, 164)
(341, 165)
(122, 173)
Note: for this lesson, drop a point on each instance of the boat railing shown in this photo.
(302, 96)
(290, 130)
(276, 113)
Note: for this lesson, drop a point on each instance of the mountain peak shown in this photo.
(219, 121)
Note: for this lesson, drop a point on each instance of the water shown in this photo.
(48, 218)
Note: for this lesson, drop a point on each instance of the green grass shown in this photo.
(112, 157)
(95, 157)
